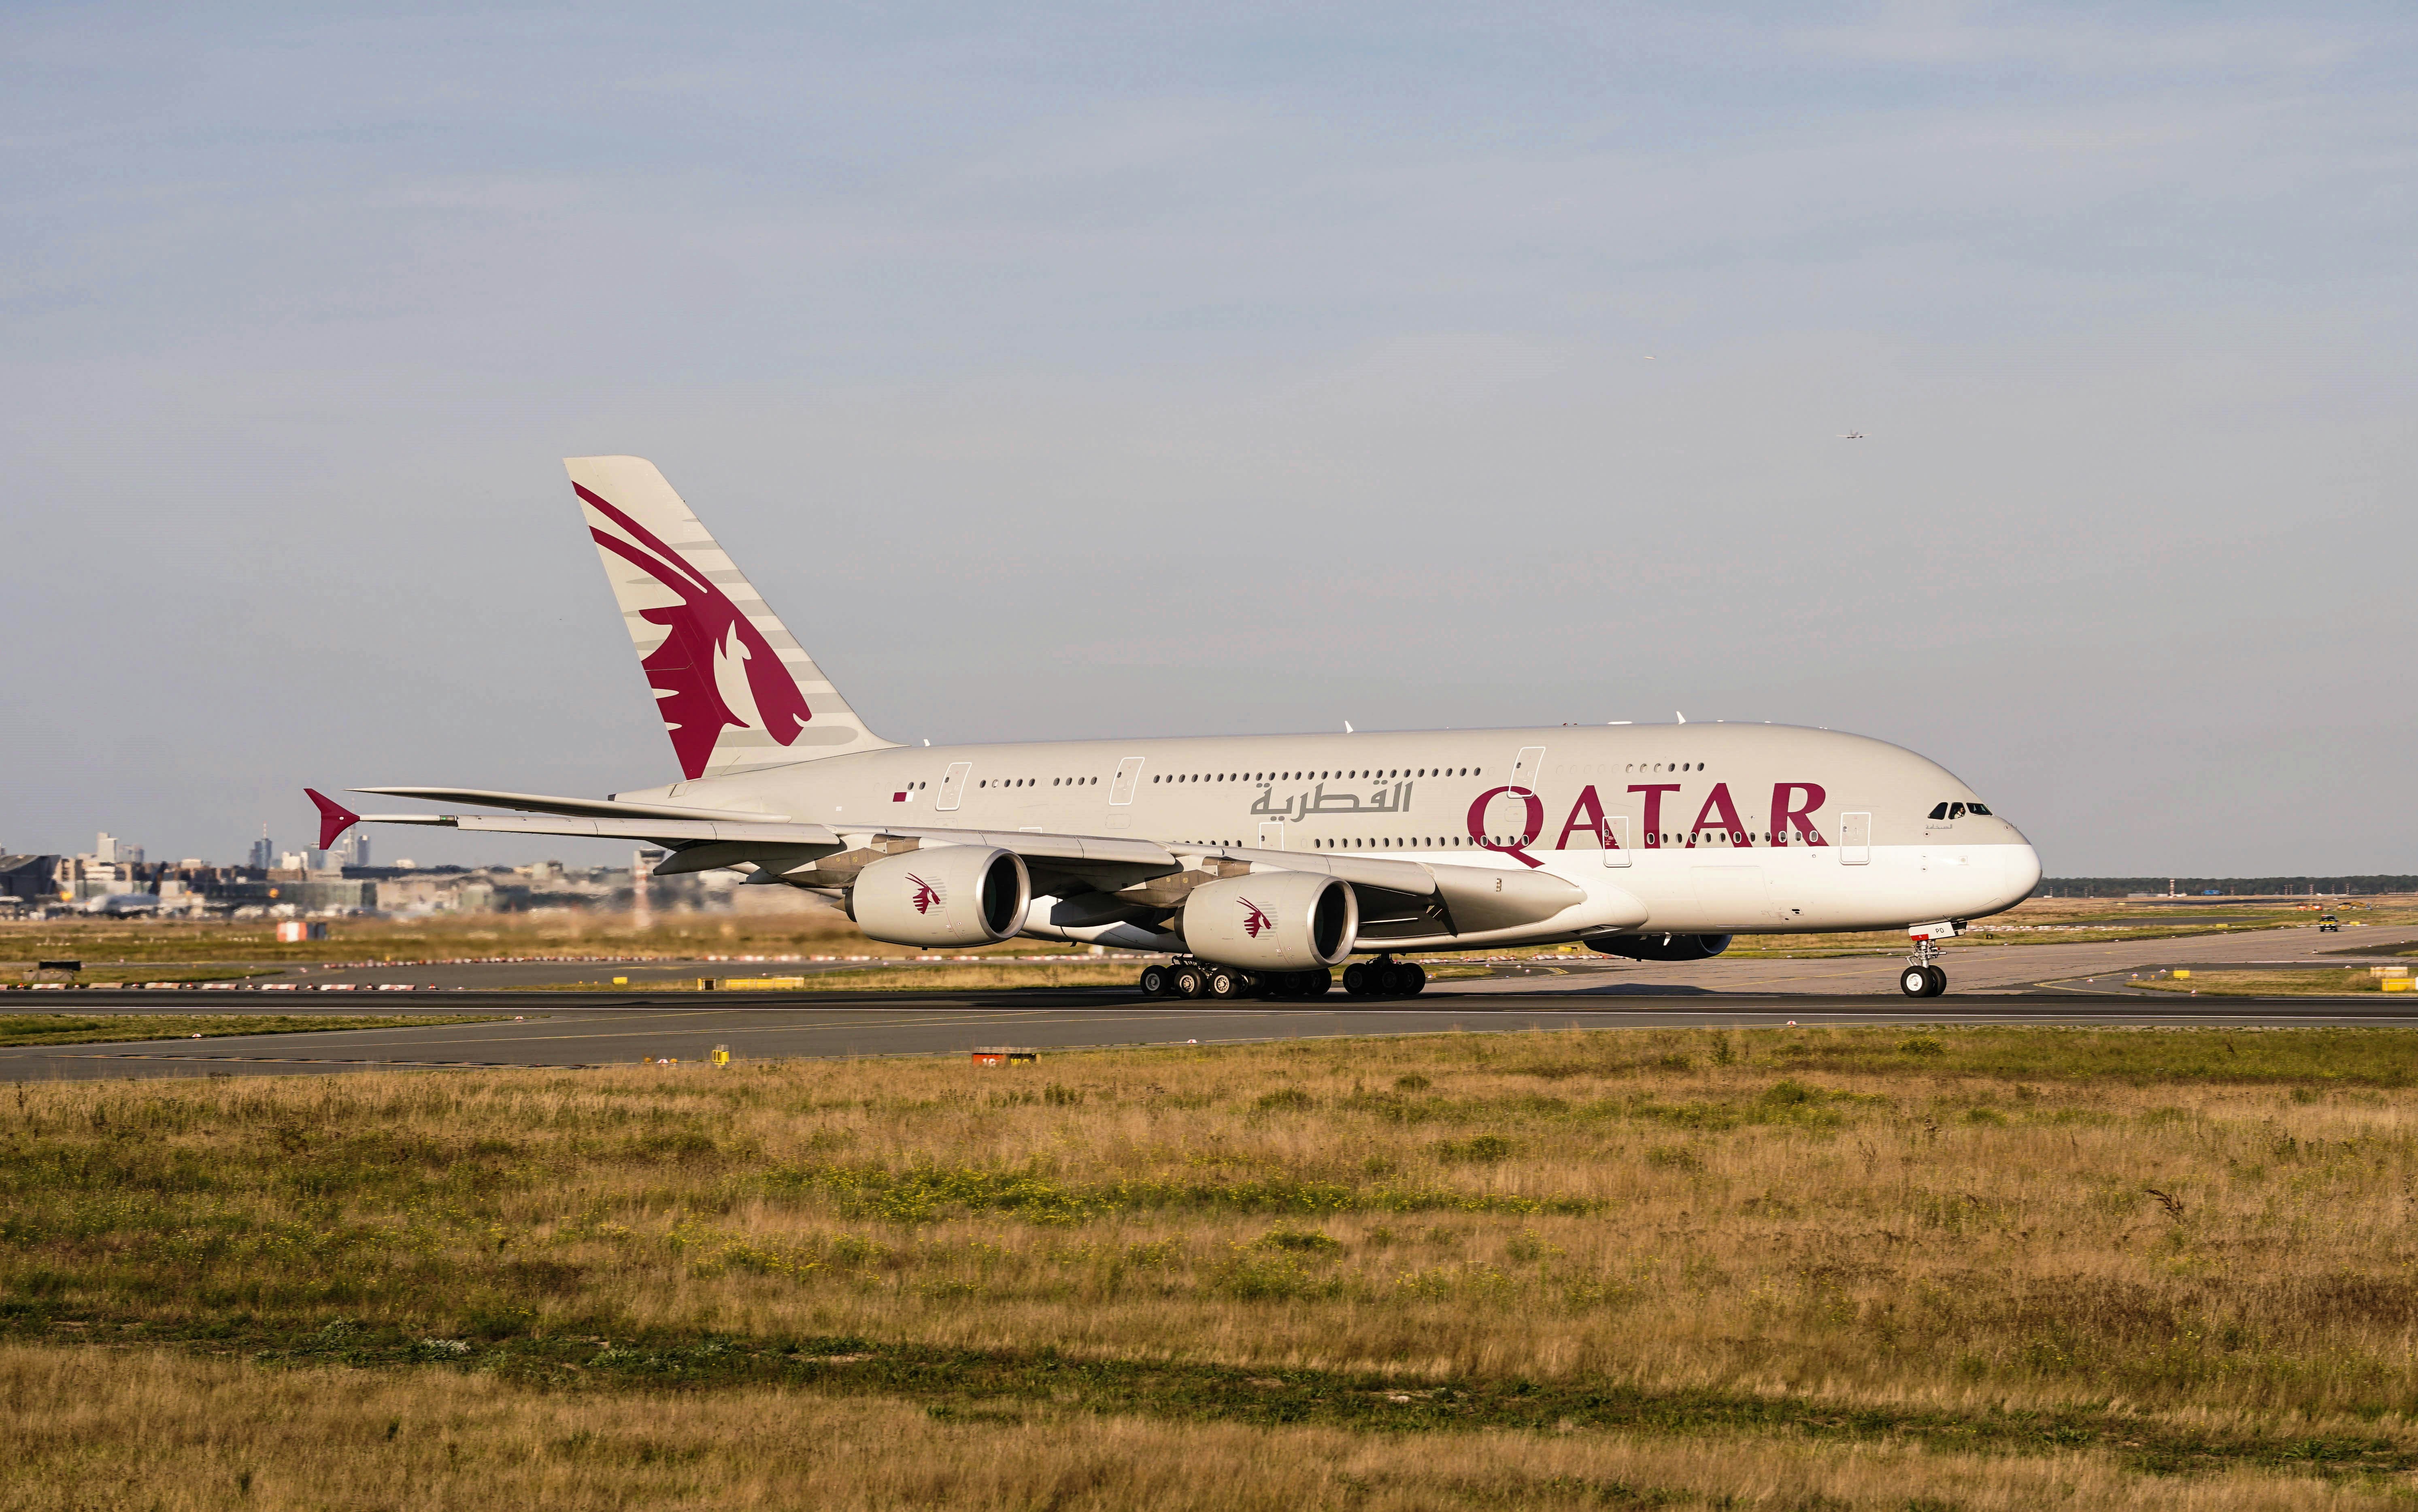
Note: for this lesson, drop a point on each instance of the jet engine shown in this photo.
(942, 896)
(1272, 921)
(1662, 947)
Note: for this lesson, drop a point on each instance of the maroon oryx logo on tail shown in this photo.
(705, 628)
(927, 897)
(1255, 919)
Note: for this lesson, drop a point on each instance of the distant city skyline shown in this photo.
(1116, 372)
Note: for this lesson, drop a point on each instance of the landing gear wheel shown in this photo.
(1938, 981)
(1356, 981)
(1153, 980)
(1317, 984)
(1224, 984)
(1915, 982)
(1189, 982)
(1410, 980)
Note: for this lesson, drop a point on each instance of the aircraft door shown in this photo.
(1528, 768)
(1855, 839)
(953, 785)
(1271, 834)
(1121, 791)
(1615, 840)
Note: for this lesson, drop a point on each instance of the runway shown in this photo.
(605, 1029)
(1993, 984)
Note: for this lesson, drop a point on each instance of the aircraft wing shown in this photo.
(709, 839)
(1408, 898)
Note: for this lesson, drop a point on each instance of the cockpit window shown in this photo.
(1955, 811)
(1982, 809)
(1939, 813)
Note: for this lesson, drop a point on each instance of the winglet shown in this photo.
(335, 817)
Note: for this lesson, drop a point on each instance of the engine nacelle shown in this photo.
(1662, 947)
(1272, 921)
(942, 896)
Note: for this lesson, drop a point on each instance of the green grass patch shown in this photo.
(2139, 1058)
(961, 1382)
(926, 1194)
(2323, 981)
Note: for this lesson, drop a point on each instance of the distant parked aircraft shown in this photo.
(117, 903)
(1258, 862)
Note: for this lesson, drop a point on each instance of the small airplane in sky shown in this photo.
(1851, 436)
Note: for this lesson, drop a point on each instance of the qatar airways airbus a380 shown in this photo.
(1260, 862)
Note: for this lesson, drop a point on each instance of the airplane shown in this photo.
(1260, 862)
(1851, 436)
(118, 904)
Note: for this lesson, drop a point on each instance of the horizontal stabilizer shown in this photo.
(335, 817)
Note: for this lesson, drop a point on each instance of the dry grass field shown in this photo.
(102, 943)
(113, 948)
(1953, 1268)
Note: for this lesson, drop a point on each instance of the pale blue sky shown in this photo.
(1262, 368)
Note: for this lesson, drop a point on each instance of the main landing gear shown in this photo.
(1384, 977)
(1182, 978)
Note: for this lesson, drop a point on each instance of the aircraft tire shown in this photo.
(1411, 979)
(1189, 982)
(1317, 984)
(1356, 981)
(1223, 984)
(1153, 980)
(1915, 982)
(1938, 981)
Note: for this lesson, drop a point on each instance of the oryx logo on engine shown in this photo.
(1255, 919)
(927, 897)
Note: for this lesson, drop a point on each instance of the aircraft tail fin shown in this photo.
(734, 689)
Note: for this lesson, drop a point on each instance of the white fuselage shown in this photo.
(1712, 827)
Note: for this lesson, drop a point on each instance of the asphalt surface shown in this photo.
(627, 1031)
(2037, 984)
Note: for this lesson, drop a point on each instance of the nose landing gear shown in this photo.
(1922, 977)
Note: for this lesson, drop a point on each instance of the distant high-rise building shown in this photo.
(263, 850)
(358, 847)
(109, 850)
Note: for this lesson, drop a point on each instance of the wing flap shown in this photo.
(602, 808)
(663, 832)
